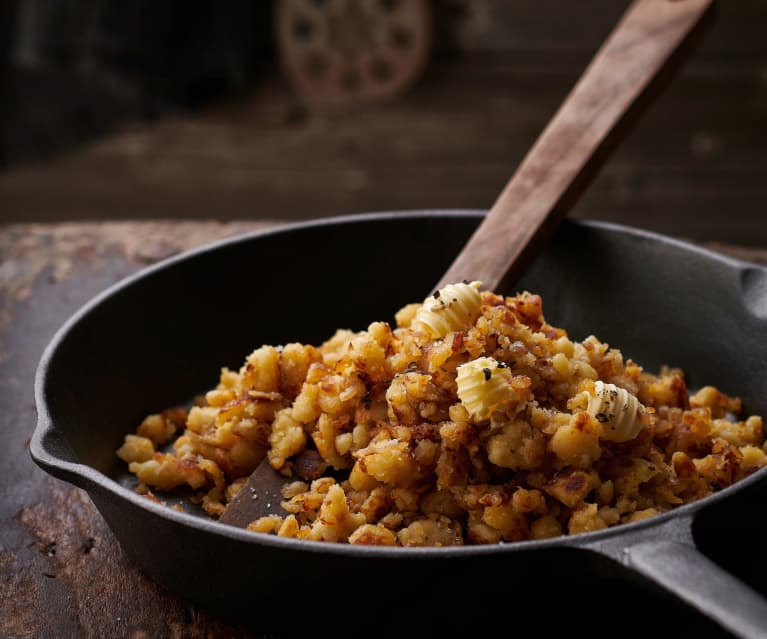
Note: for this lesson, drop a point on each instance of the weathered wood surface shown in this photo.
(62, 572)
(693, 166)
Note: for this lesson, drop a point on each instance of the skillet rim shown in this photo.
(90, 479)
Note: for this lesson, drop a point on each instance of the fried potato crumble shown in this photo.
(521, 457)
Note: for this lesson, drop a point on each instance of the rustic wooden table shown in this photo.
(62, 572)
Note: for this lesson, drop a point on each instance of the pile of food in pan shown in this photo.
(472, 421)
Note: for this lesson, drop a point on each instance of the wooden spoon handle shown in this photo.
(645, 46)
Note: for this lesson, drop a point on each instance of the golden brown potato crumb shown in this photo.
(585, 519)
(160, 428)
(136, 449)
(335, 521)
(545, 527)
(430, 532)
(373, 535)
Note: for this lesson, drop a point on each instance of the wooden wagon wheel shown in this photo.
(342, 52)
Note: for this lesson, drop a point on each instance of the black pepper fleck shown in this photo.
(488, 374)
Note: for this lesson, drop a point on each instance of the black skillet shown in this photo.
(161, 336)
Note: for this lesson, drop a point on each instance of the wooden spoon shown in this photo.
(644, 48)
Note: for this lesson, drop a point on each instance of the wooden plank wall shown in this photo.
(694, 166)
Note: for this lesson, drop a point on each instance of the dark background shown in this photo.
(147, 110)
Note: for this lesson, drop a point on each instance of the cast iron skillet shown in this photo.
(159, 337)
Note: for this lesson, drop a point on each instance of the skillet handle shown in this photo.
(667, 556)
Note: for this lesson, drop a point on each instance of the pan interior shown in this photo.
(163, 337)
